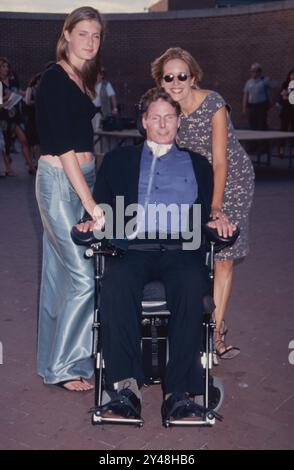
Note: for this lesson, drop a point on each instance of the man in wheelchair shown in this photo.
(152, 174)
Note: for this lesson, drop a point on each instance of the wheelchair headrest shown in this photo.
(219, 241)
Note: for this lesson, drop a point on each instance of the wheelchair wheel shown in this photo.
(216, 393)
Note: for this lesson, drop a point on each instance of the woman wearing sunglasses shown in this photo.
(206, 129)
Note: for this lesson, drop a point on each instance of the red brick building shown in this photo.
(225, 41)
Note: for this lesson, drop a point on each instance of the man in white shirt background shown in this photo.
(106, 105)
(105, 100)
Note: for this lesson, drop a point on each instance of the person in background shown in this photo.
(65, 178)
(2, 152)
(106, 109)
(287, 109)
(12, 119)
(30, 111)
(205, 128)
(105, 99)
(258, 97)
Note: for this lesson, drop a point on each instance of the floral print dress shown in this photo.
(195, 134)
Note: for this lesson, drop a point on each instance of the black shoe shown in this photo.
(179, 406)
(125, 405)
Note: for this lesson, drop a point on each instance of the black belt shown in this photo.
(155, 247)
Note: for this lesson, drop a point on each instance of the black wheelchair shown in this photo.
(155, 317)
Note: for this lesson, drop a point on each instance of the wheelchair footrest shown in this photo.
(99, 418)
(207, 420)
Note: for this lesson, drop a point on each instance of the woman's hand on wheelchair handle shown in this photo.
(95, 211)
(87, 226)
(98, 217)
(223, 226)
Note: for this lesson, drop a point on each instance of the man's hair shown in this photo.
(151, 96)
(155, 94)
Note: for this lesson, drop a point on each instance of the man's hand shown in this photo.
(87, 226)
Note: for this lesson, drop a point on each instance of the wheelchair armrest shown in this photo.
(107, 247)
(219, 241)
(82, 238)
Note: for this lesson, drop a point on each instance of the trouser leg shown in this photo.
(186, 283)
(257, 115)
(252, 117)
(121, 299)
(262, 117)
(253, 124)
(67, 287)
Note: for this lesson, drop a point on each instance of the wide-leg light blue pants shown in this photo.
(67, 286)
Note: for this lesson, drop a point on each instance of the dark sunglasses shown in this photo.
(182, 77)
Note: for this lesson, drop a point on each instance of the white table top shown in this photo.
(246, 134)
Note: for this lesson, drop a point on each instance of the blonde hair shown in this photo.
(89, 71)
(171, 54)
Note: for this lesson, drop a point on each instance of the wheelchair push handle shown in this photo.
(102, 247)
(82, 238)
(219, 241)
(88, 238)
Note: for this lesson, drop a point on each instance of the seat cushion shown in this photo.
(154, 291)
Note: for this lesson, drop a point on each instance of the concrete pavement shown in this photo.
(259, 384)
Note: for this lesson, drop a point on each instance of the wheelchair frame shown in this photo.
(212, 385)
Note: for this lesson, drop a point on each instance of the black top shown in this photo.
(64, 114)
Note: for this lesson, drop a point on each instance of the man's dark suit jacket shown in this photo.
(119, 176)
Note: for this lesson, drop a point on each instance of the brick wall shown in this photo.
(224, 43)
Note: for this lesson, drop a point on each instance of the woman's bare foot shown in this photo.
(75, 385)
